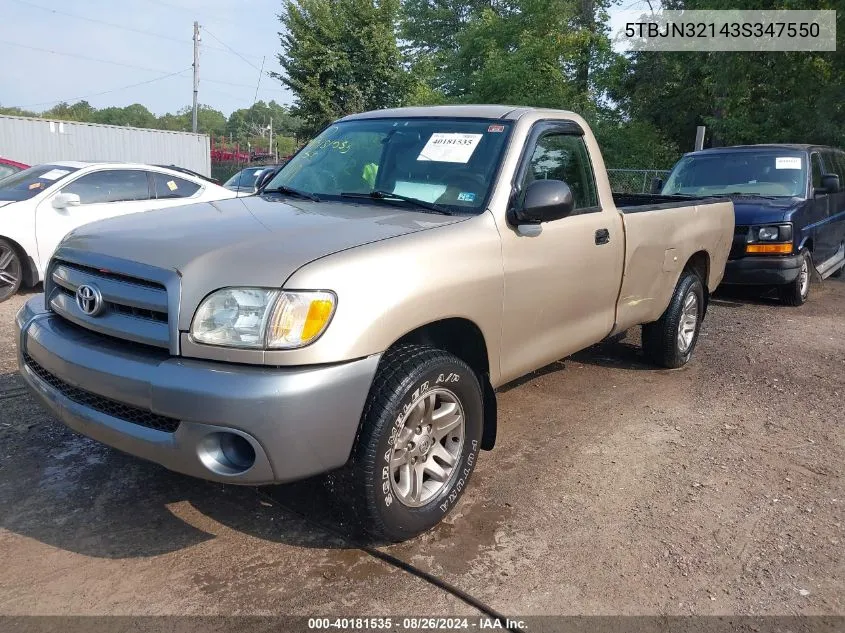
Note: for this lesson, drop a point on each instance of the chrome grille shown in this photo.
(133, 309)
(107, 406)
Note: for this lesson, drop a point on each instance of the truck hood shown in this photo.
(254, 241)
(748, 211)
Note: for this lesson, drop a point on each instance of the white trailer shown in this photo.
(34, 141)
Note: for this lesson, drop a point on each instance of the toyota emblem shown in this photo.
(89, 300)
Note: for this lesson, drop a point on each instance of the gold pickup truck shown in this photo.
(358, 312)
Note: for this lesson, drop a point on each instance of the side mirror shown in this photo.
(656, 185)
(265, 177)
(65, 200)
(830, 184)
(544, 201)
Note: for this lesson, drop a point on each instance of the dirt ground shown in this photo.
(615, 488)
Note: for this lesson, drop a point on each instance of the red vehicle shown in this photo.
(9, 167)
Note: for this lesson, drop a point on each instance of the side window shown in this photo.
(559, 156)
(112, 185)
(168, 187)
(816, 164)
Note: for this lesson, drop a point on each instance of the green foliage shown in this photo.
(242, 126)
(633, 144)
(432, 30)
(340, 57)
(17, 112)
(747, 97)
(254, 120)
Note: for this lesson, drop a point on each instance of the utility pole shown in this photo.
(196, 73)
(271, 136)
(699, 137)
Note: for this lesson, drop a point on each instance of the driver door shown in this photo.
(561, 283)
(102, 194)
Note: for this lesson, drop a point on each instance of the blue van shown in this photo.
(789, 206)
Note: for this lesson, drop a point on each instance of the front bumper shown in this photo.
(754, 270)
(299, 421)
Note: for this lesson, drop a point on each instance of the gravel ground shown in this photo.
(615, 488)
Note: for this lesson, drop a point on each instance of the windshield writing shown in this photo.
(447, 162)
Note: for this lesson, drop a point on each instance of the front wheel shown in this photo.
(669, 341)
(419, 441)
(796, 292)
(11, 270)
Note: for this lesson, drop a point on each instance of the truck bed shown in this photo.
(662, 233)
(637, 202)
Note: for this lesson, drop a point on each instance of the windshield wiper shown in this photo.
(753, 194)
(292, 192)
(387, 196)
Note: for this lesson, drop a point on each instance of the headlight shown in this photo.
(778, 233)
(259, 318)
(768, 234)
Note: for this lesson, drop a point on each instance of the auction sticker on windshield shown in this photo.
(450, 147)
(54, 174)
(787, 162)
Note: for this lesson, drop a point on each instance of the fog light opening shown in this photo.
(226, 453)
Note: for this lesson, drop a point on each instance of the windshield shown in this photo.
(30, 182)
(447, 162)
(767, 173)
(244, 179)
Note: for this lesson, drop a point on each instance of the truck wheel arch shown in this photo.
(30, 270)
(464, 339)
(699, 263)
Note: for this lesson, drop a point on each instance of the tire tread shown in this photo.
(396, 369)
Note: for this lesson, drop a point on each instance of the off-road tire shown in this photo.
(404, 373)
(11, 269)
(793, 293)
(660, 339)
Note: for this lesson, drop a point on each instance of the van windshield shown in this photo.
(30, 182)
(448, 162)
(775, 173)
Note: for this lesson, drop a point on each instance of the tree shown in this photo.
(431, 30)
(533, 52)
(134, 115)
(79, 111)
(340, 57)
(748, 97)
(254, 120)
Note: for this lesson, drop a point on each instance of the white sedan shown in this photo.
(40, 205)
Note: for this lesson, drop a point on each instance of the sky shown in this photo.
(119, 52)
(143, 41)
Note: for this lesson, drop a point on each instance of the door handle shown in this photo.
(602, 237)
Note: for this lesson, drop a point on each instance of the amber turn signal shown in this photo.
(769, 249)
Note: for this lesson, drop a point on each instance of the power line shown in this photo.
(105, 92)
(233, 50)
(218, 18)
(258, 85)
(118, 26)
(133, 66)
(237, 85)
(102, 22)
(90, 59)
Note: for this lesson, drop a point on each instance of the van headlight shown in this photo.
(775, 233)
(261, 318)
